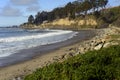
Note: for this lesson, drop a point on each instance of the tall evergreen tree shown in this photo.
(31, 19)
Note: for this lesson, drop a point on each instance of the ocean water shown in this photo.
(12, 40)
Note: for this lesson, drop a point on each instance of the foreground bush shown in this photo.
(94, 65)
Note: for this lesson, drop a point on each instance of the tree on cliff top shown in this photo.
(31, 19)
(70, 10)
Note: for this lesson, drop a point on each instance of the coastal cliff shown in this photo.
(76, 15)
(99, 19)
(65, 23)
(73, 24)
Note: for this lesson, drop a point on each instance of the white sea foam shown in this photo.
(21, 38)
(11, 45)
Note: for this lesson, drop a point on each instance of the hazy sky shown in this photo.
(15, 12)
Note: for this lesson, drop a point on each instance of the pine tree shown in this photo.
(31, 19)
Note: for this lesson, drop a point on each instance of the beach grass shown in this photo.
(103, 64)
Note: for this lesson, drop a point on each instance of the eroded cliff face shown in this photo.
(67, 23)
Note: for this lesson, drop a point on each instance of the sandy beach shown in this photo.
(35, 34)
(40, 56)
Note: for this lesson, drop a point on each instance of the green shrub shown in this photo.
(117, 22)
(111, 15)
(94, 65)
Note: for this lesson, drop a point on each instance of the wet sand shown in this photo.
(27, 61)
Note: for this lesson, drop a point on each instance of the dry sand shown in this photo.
(30, 66)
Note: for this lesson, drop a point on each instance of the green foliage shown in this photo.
(117, 22)
(94, 65)
(116, 17)
(30, 19)
(40, 17)
(111, 15)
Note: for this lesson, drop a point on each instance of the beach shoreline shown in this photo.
(101, 39)
(31, 64)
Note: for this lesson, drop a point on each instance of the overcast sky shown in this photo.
(15, 12)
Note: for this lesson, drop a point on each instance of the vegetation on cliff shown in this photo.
(71, 10)
(77, 14)
(81, 9)
(94, 65)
